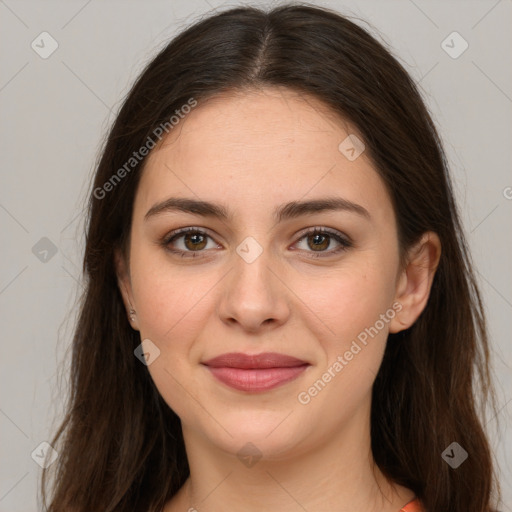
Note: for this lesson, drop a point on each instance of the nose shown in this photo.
(254, 296)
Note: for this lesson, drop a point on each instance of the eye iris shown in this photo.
(316, 237)
(195, 237)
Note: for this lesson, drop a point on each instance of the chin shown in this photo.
(270, 439)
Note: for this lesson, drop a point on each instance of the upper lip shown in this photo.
(247, 361)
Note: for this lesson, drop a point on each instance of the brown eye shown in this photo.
(319, 240)
(197, 241)
(193, 241)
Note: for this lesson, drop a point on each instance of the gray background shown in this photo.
(55, 111)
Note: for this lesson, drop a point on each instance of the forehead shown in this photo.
(260, 148)
(259, 121)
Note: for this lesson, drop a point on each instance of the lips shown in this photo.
(246, 361)
(253, 373)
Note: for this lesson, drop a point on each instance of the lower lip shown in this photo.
(256, 379)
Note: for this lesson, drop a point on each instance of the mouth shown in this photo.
(253, 373)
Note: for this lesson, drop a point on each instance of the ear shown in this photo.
(415, 281)
(125, 287)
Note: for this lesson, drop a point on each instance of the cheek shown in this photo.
(347, 301)
(355, 305)
(171, 313)
(357, 309)
(168, 295)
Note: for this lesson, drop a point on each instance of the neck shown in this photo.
(337, 475)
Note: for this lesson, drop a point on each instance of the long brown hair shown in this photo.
(121, 446)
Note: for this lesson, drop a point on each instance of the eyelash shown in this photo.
(342, 240)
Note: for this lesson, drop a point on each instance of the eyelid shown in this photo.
(183, 231)
(325, 229)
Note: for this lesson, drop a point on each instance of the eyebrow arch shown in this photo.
(284, 212)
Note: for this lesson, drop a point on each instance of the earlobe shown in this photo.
(415, 281)
(124, 284)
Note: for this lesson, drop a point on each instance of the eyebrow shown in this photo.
(284, 212)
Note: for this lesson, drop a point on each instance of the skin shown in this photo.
(253, 151)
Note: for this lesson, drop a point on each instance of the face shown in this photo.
(253, 281)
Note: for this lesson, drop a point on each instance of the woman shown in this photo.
(280, 311)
